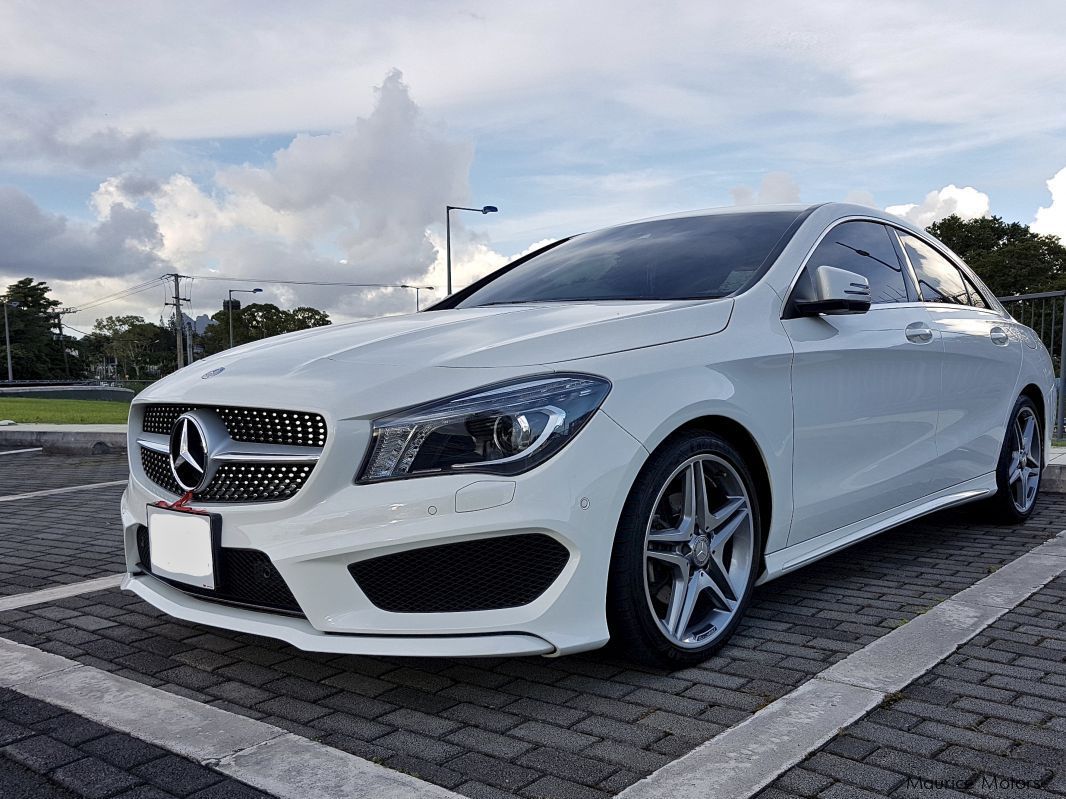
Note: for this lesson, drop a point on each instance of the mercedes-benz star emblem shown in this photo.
(189, 453)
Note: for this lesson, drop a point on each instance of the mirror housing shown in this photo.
(836, 291)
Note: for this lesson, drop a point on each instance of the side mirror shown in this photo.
(836, 291)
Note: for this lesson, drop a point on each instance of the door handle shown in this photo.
(919, 333)
(999, 336)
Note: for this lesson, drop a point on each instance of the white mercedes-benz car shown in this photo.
(615, 437)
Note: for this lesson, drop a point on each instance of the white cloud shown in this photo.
(967, 202)
(35, 242)
(360, 205)
(776, 187)
(1052, 218)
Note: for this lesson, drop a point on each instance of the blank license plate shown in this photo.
(181, 546)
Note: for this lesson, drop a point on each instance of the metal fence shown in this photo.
(1045, 313)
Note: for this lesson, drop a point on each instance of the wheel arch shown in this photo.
(1033, 392)
(741, 438)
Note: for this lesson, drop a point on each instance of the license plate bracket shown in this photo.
(183, 545)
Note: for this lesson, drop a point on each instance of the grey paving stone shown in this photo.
(93, 778)
(556, 788)
(572, 740)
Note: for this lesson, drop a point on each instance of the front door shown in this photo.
(866, 391)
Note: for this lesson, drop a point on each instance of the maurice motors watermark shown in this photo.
(986, 781)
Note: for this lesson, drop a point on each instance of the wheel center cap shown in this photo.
(701, 550)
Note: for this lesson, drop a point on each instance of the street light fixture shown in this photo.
(417, 290)
(229, 311)
(488, 209)
(7, 337)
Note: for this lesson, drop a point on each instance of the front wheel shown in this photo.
(686, 554)
(1020, 464)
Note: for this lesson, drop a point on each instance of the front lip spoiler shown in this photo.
(302, 635)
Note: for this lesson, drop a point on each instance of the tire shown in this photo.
(662, 546)
(1020, 464)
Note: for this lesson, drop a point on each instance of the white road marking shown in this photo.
(68, 490)
(259, 754)
(59, 592)
(746, 758)
(20, 451)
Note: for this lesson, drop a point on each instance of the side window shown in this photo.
(938, 279)
(976, 299)
(864, 248)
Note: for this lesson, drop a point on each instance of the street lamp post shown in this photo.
(418, 305)
(7, 338)
(488, 209)
(229, 311)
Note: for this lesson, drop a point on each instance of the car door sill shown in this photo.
(800, 554)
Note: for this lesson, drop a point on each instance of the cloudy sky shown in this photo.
(320, 141)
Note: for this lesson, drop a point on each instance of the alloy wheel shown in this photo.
(698, 549)
(1023, 478)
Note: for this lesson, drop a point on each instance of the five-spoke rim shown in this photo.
(698, 548)
(1023, 477)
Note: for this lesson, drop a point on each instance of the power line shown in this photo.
(118, 295)
(306, 282)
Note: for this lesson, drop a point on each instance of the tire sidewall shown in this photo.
(626, 589)
(1003, 498)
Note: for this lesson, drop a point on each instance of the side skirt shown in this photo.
(798, 555)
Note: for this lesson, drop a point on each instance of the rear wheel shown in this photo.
(1020, 464)
(686, 554)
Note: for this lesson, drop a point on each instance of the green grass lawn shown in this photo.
(61, 411)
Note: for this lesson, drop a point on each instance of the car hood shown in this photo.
(394, 352)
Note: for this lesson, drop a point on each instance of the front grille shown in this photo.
(233, 482)
(486, 574)
(253, 425)
(246, 577)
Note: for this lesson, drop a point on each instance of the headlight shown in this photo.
(503, 429)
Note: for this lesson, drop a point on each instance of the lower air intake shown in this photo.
(246, 577)
(486, 574)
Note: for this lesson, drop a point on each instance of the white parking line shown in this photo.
(20, 451)
(59, 592)
(746, 758)
(68, 490)
(261, 755)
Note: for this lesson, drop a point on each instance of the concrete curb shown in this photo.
(1054, 478)
(76, 441)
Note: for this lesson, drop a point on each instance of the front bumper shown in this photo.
(575, 498)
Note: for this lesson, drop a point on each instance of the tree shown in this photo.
(1008, 256)
(36, 351)
(136, 346)
(258, 321)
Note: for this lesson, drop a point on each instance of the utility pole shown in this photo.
(179, 320)
(7, 338)
(62, 341)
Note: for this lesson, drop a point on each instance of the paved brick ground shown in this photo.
(21, 474)
(576, 727)
(989, 721)
(64, 538)
(47, 753)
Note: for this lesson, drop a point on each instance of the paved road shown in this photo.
(584, 726)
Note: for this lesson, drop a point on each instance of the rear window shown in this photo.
(668, 259)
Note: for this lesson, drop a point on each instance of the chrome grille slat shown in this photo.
(234, 482)
(251, 425)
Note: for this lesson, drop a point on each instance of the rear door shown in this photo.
(866, 390)
(983, 357)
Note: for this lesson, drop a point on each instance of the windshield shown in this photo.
(668, 259)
